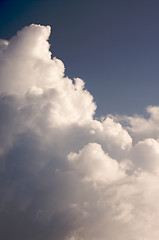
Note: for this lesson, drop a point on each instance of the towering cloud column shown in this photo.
(64, 174)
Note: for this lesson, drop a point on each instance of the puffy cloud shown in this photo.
(146, 154)
(141, 127)
(95, 165)
(63, 173)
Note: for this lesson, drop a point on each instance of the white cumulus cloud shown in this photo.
(65, 175)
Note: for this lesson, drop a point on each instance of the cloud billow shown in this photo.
(65, 175)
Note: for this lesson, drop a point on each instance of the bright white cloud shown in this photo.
(64, 174)
(140, 127)
(95, 165)
(146, 154)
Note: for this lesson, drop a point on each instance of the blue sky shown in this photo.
(112, 45)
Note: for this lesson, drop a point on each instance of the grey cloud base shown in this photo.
(63, 174)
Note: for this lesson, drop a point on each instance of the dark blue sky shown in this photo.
(113, 45)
